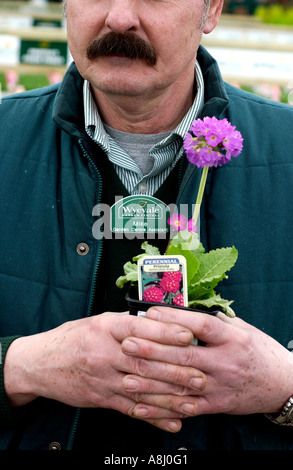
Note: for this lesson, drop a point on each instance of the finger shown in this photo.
(188, 377)
(146, 411)
(169, 425)
(225, 318)
(163, 356)
(182, 406)
(159, 417)
(136, 384)
(142, 327)
(199, 359)
(211, 404)
(234, 321)
(208, 328)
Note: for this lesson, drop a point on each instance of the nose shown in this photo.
(122, 16)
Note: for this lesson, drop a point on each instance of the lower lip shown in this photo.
(120, 59)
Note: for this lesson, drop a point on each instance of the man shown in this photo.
(74, 377)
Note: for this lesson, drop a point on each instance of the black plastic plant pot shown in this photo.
(139, 307)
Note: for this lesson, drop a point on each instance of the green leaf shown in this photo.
(199, 250)
(131, 274)
(200, 292)
(148, 250)
(129, 267)
(187, 241)
(212, 302)
(192, 263)
(213, 266)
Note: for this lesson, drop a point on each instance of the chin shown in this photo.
(117, 86)
(133, 79)
(126, 90)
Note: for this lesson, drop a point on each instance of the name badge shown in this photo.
(139, 214)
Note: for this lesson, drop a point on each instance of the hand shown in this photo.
(81, 363)
(246, 370)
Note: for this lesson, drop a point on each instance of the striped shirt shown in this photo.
(166, 153)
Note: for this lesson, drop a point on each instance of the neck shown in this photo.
(144, 115)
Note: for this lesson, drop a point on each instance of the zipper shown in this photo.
(99, 254)
(180, 172)
(94, 282)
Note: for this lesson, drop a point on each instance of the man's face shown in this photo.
(171, 29)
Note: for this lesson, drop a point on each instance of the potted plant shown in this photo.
(209, 142)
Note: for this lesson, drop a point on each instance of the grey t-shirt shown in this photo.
(137, 146)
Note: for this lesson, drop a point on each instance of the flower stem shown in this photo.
(200, 193)
(198, 199)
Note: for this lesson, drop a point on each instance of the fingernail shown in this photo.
(185, 337)
(131, 385)
(154, 313)
(141, 412)
(197, 383)
(130, 346)
(189, 409)
(173, 426)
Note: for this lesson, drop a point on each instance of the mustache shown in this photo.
(128, 44)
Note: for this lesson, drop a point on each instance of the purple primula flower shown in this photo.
(189, 141)
(191, 226)
(178, 222)
(209, 156)
(214, 143)
(213, 139)
(210, 142)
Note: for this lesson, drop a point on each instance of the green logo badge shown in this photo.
(139, 214)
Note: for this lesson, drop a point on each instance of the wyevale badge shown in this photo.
(139, 214)
(163, 279)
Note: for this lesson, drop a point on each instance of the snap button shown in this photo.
(143, 187)
(55, 446)
(82, 249)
